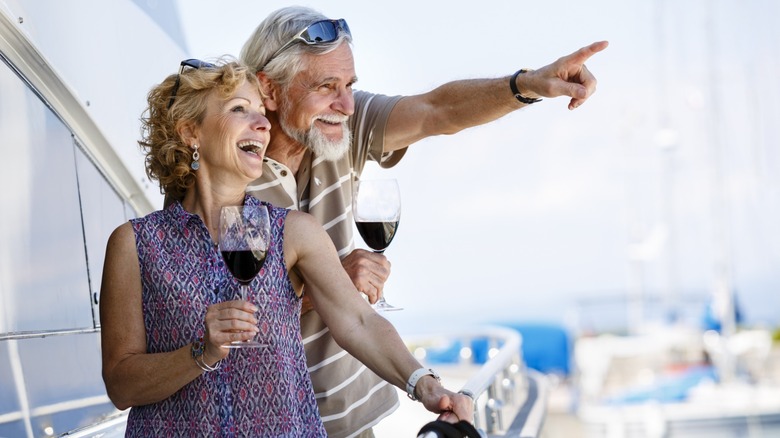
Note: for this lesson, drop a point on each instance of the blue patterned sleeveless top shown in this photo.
(258, 392)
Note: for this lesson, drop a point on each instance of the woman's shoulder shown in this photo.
(301, 219)
(122, 236)
(123, 229)
(302, 229)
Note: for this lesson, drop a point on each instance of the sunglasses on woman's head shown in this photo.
(319, 32)
(192, 63)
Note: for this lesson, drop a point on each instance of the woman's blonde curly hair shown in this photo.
(168, 158)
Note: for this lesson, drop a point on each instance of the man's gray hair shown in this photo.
(275, 31)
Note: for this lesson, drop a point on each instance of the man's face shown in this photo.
(318, 101)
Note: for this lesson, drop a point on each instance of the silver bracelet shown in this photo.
(204, 366)
(197, 350)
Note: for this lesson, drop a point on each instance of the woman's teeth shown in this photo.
(253, 147)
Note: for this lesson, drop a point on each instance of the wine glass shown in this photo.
(244, 235)
(376, 206)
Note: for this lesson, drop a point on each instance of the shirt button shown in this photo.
(284, 173)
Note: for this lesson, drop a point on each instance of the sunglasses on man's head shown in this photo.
(192, 63)
(319, 32)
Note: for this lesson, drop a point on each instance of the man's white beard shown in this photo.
(315, 140)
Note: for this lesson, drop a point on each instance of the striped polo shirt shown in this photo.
(350, 397)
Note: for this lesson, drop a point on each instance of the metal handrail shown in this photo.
(509, 399)
(507, 354)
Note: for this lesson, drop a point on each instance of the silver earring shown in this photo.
(195, 165)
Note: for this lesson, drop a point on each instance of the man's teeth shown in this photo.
(332, 119)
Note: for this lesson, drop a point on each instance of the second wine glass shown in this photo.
(244, 236)
(376, 206)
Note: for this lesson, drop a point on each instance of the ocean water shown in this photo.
(612, 313)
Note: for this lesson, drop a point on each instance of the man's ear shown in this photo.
(270, 90)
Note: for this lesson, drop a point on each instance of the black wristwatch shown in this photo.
(516, 92)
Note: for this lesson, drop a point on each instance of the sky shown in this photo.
(663, 185)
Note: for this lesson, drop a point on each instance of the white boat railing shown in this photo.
(510, 400)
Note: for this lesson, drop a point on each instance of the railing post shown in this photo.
(493, 411)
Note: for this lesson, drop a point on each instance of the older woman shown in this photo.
(168, 306)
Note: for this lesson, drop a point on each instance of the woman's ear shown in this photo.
(187, 132)
(270, 90)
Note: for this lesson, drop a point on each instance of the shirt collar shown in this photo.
(183, 216)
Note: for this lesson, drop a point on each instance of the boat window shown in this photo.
(43, 272)
(103, 210)
(56, 212)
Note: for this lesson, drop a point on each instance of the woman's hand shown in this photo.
(227, 322)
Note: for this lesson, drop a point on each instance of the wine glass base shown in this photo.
(245, 344)
(384, 307)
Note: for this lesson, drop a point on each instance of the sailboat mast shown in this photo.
(666, 139)
(722, 287)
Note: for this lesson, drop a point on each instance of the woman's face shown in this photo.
(233, 136)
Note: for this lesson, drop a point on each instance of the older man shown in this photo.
(323, 134)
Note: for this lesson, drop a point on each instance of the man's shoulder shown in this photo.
(371, 109)
(363, 98)
(362, 95)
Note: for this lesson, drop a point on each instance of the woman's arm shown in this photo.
(132, 376)
(354, 324)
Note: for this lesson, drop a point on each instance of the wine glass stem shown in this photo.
(381, 301)
(244, 288)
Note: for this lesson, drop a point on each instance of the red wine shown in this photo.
(244, 265)
(377, 235)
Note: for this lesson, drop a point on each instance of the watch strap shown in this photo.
(516, 92)
(411, 384)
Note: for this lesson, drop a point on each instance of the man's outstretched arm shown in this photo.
(462, 104)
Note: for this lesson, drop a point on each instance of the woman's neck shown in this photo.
(208, 203)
